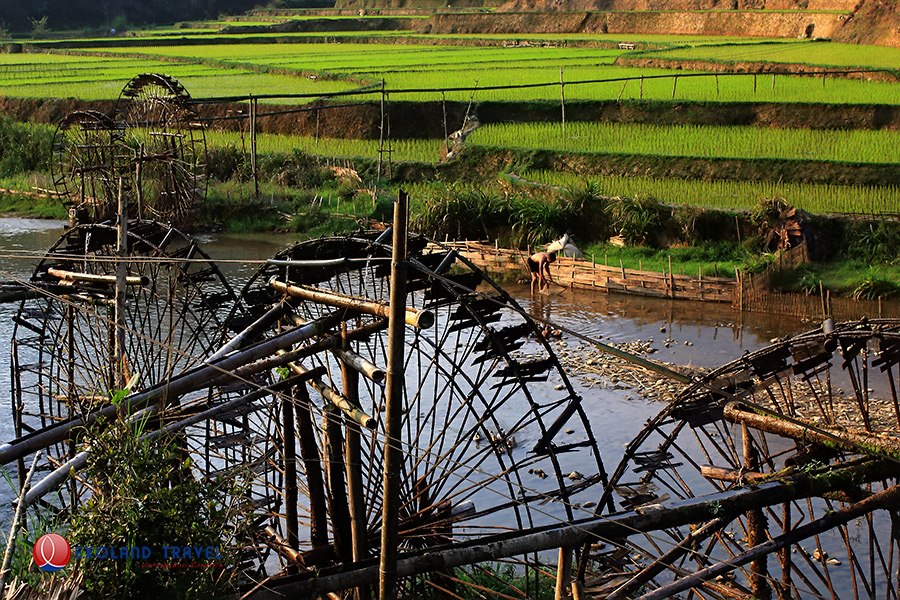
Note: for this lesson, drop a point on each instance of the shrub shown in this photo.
(146, 493)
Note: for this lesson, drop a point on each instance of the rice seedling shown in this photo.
(743, 195)
(853, 146)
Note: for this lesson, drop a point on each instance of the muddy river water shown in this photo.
(683, 333)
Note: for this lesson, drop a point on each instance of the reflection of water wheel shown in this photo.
(85, 146)
(167, 146)
(801, 540)
(489, 442)
(63, 364)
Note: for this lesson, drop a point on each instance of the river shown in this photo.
(681, 332)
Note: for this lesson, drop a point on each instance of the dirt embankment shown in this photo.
(858, 21)
(725, 23)
(426, 119)
(754, 67)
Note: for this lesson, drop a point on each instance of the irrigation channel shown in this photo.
(767, 468)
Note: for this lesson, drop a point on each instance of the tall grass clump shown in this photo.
(147, 493)
(23, 147)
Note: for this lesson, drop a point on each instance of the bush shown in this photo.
(145, 493)
(23, 147)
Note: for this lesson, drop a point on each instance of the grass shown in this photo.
(414, 67)
(743, 195)
(799, 52)
(704, 141)
(408, 150)
(712, 258)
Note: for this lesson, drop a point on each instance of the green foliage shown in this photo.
(875, 284)
(758, 264)
(39, 27)
(813, 198)
(502, 579)
(23, 147)
(874, 240)
(145, 493)
(637, 219)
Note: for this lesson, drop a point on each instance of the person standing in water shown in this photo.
(539, 266)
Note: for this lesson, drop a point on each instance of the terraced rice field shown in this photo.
(700, 141)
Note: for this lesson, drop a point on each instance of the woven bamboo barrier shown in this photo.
(587, 274)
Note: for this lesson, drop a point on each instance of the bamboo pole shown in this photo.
(727, 505)
(281, 359)
(336, 399)
(353, 460)
(290, 476)
(757, 526)
(737, 412)
(393, 451)
(121, 282)
(361, 365)
(16, 525)
(423, 319)
(335, 476)
(563, 574)
(176, 386)
(884, 499)
(94, 278)
(312, 465)
(55, 478)
(667, 560)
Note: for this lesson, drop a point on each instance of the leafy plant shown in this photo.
(637, 218)
(146, 493)
(874, 285)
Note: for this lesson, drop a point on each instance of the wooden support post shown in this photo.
(312, 464)
(291, 527)
(564, 574)
(121, 283)
(757, 526)
(353, 460)
(393, 451)
(253, 163)
(337, 491)
(671, 279)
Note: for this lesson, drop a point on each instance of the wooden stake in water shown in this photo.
(393, 451)
(121, 283)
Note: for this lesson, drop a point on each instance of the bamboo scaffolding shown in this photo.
(193, 380)
(423, 319)
(885, 499)
(142, 281)
(726, 505)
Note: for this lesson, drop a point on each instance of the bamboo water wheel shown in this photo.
(154, 143)
(495, 439)
(804, 425)
(84, 165)
(62, 348)
(168, 149)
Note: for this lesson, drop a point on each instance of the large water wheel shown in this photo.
(802, 435)
(154, 145)
(63, 356)
(494, 436)
(85, 165)
(167, 147)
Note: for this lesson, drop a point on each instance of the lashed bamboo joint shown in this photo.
(337, 399)
(93, 278)
(423, 319)
(737, 412)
